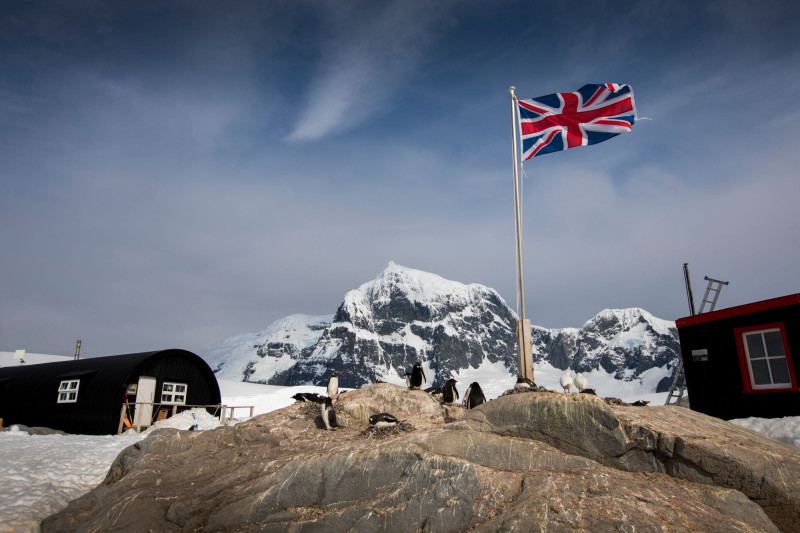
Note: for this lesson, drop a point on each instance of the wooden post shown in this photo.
(525, 348)
(138, 418)
(121, 419)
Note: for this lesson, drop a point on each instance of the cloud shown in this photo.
(362, 66)
(593, 241)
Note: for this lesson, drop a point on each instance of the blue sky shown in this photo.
(172, 174)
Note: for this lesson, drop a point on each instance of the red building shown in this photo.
(743, 361)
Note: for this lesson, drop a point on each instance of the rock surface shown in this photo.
(522, 462)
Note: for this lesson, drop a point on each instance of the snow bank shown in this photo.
(40, 474)
(784, 429)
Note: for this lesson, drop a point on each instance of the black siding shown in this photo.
(716, 387)
(29, 393)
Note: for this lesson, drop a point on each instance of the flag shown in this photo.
(592, 114)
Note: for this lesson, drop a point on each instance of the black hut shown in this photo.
(744, 361)
(86, 396)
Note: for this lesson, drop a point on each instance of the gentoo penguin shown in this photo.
(417, 377)
(328, 414)
(450, 392)
(474, 396)
(383, 420)
(333, 384)
(435, 392)
(524, 383)
(580, 382)
(307, 397)
(640, 403)
(566, 380)
(589, 391)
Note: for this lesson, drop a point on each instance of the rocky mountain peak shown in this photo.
(626, 320)
(405, 315)
(406, 293)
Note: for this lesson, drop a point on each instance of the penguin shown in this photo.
(299, 397)
(435, 392)
(417, 377)
(589, 391)
(450, 392)
(524, 383)
(474, 396)
(580, 382)
(566, 380)
(328, 414)
(333, 384)
(408, 379)
(383, 420)
(304, 397)
(640, 403)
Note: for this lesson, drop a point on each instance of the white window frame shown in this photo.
(174, 393)
(768, 357)
(68, 391)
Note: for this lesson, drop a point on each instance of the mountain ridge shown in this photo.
(405, 315)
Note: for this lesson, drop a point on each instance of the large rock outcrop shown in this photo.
(522, 462)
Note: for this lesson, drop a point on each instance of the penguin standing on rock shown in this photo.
(328, 414)
(474, 396)
(417, 377)
(450, 392)
(333, 384)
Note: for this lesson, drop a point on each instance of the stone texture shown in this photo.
(522, 462)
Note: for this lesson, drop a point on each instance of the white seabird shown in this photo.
(581, 382)
(566, 380)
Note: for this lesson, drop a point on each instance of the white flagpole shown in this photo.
(523, 324)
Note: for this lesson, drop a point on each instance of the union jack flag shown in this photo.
(592, 114)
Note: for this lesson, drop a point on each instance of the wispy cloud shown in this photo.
(361, 67)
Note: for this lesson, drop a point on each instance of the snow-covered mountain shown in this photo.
(622, 342)
(257, 356)
(404, 315)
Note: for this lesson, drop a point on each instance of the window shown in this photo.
(173, 393)
(766, 357)
(68, 391)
